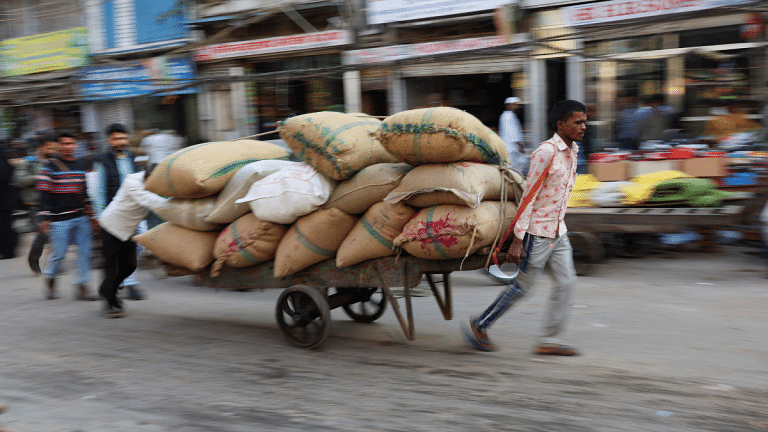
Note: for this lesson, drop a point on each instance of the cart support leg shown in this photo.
(444, 301)
(407, 326)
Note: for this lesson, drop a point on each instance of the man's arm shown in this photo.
(143, 197)
(100, 189)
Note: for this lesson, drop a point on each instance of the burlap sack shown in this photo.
(179, 246)
(226, 209)
(336, 144)
(246, 242)
(204, 169)
(373, 234)
(295, 191)
(189, 213)
(313, 238)
(367, 187)
(461, 183)
(440, 135)
(450, 231)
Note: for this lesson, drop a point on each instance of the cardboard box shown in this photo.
(705, 167)
(646, 167)
(610, 171)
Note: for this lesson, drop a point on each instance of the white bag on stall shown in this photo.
(294, 191)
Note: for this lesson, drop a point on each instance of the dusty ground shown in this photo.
(669, 345)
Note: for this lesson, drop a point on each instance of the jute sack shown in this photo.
(450, 231)
(313, 238)
(226, 209)
(336, 144)
(294, 191)
(203, 169)
(461, 183)
(367, 187)
(440, 135)
(372, 235)
(246, 242)
(179, 246)
(189, 213)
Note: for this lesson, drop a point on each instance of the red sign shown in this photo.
(273, 45)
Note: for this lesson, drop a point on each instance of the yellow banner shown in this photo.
(45, 52)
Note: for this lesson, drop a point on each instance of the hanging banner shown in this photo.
(386, 11)
(401, 52)
(137, 79)
(603, 12)
(44, 52)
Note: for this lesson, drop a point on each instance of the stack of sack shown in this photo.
(431, 182)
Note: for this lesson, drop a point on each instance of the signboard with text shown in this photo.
(615, 10)
(273, 45)
(44, 52)
(137, 79)
(386, 11)
(400, 52)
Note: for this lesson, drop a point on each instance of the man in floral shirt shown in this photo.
(540, 232)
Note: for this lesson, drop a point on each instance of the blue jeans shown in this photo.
(62, 234)
(541, 253)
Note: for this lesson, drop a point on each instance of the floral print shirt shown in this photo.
(544, 216)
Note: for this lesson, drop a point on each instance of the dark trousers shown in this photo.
(38, 244)
(119, 263)
(8, 237)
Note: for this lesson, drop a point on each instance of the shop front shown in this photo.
(706, 62)
(158, 93)
(251, 85)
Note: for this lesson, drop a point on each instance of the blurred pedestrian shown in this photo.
(65, 213)
(25, 177)
(540, 237)
(111, 168)
(626, 122)
(159, 144)
(8, 203)
(654, 118)
(118, 221)
(511, 132)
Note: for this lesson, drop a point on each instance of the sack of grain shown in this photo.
(246, 242)
(313, 238)
(373, 234)
(336, 144)
(179, 246)
(367, 187)
(460, 183)
(226, 209)
(188, 213)
(294, 191)
(204, 169)
(440, 135)
(450, 231)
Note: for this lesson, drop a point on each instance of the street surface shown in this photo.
(670, 343)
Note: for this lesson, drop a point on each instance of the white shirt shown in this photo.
(129, 207)
(511, 132)
(159, 146)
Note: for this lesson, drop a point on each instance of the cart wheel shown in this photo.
(587, 251)
(303, 316)
(369, 307)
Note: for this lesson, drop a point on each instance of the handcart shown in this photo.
(587, 224)
(363, 291)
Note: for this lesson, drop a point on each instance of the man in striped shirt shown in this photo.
(64, 216)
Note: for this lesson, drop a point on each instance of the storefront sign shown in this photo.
(386, 11)
(136, 79)
(602, 12)
(400, 52)
(44, 52)
(273, 45)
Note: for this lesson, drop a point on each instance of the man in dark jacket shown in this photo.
(8, 200)
(111, 168)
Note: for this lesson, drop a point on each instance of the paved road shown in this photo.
(670, 344)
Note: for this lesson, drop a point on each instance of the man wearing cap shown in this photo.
(511, 133)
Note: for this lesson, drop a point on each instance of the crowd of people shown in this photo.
(67, 186)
